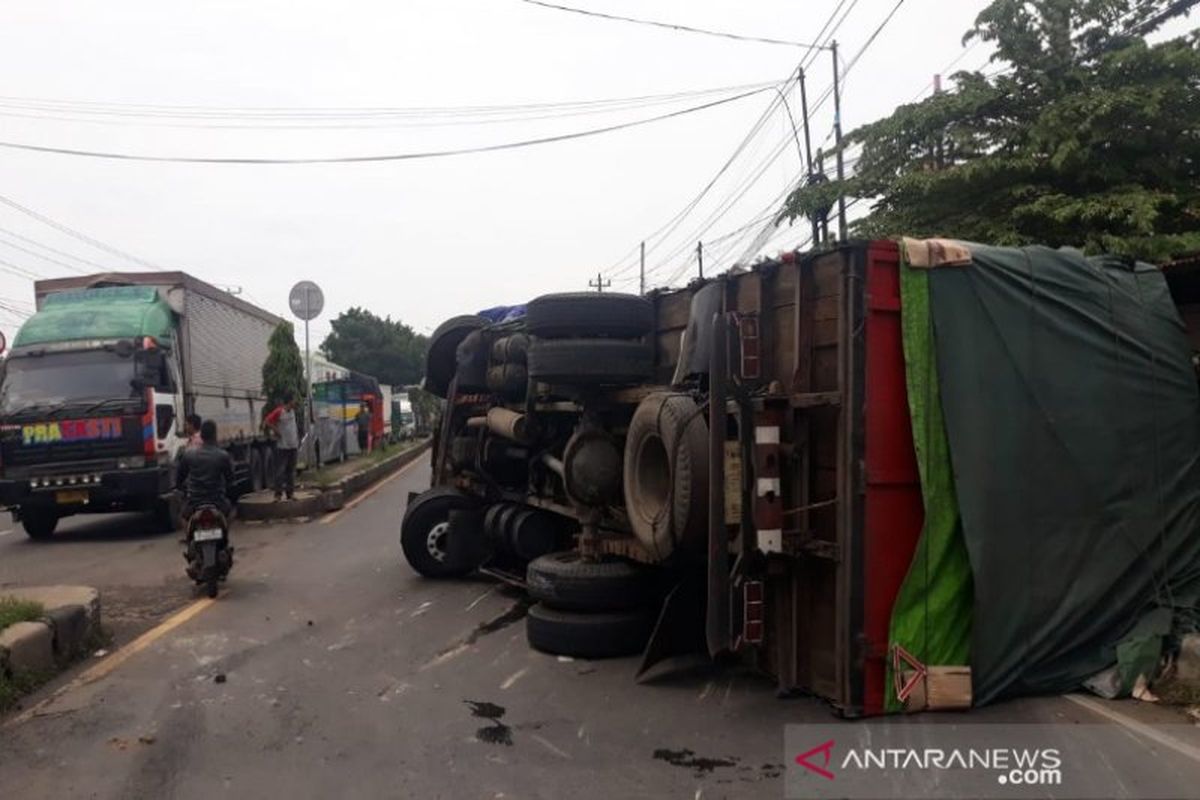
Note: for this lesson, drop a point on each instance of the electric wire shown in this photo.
(667, 25)
(410, 156)
(83, 237)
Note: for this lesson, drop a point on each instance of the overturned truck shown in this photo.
(899, 475)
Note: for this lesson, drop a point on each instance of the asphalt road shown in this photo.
(328, 668)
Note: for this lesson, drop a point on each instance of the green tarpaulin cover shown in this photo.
(931, 618)
(110, 312)
(1072, 418)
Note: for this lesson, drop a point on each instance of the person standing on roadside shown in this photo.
(287, 441)
(363, 422)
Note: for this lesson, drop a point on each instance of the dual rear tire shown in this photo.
(604, 608)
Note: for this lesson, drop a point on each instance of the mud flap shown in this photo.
(208, 557)
(678, 641)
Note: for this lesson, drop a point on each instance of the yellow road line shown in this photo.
(108, 665)
(402, 471)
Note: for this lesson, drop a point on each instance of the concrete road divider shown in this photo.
(313, 502)
(69, 625)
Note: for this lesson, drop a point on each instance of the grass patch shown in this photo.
(14, 687)
(332, 473)
(13, 610)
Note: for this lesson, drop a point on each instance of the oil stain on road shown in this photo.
(495, 733)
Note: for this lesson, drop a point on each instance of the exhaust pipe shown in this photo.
(508, 424)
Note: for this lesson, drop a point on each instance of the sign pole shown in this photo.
(308, 381)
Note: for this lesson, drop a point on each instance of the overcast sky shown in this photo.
(417, 240)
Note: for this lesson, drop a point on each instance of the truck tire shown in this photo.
(511, 349)
(567, 582)
(601, 635)
(441, 360)
(666, 474)
(590, 362)
(508, 380)
(559, 316)
(39, 524)
(423, 530)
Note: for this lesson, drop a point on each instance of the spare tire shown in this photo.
(621, 316)
(566, 581)
(590, 362)
(666, 474)
(602, 635)
(441, 360)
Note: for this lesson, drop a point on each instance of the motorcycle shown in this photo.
(209, 554)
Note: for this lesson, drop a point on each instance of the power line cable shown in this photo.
(20, 272)
(47, 258)
(83, 237)
(367, 122)
(828, 31)
(50, 249)
(383, 157)
(668, 25)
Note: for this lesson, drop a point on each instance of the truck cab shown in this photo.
(90, 408)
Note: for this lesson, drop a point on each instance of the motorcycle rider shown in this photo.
(205, 474)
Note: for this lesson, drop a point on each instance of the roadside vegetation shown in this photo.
(13, 611)
(1080, 133)
(13, 686)
(332, 473)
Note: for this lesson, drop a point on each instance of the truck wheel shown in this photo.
(566, 581)
(39, 524)
(621, 316)
(601, 635)
(425, 527)
(590, 361)
(666, 473)
(441, 360)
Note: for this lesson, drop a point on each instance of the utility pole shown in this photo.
(700, 258)
(808, 159)
(837, 132)
(599, 284)
(642, 272)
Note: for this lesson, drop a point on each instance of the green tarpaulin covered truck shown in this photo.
(900, 475)
(99, 381)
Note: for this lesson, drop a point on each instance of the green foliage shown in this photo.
(13, 610)
(388, 350)
(1088, 137)
(426, 408)
(283, 371)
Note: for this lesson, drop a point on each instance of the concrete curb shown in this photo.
(70, 624)
(311, 503)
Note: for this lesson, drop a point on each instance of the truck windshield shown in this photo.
(65, 379)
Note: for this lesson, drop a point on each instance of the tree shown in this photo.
(388, 350)
(283, 371)
(1089, 137)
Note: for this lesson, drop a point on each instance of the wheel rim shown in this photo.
(435, 541)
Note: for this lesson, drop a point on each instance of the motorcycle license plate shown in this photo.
(208, 535)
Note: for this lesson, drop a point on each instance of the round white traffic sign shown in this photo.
(306, 300)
